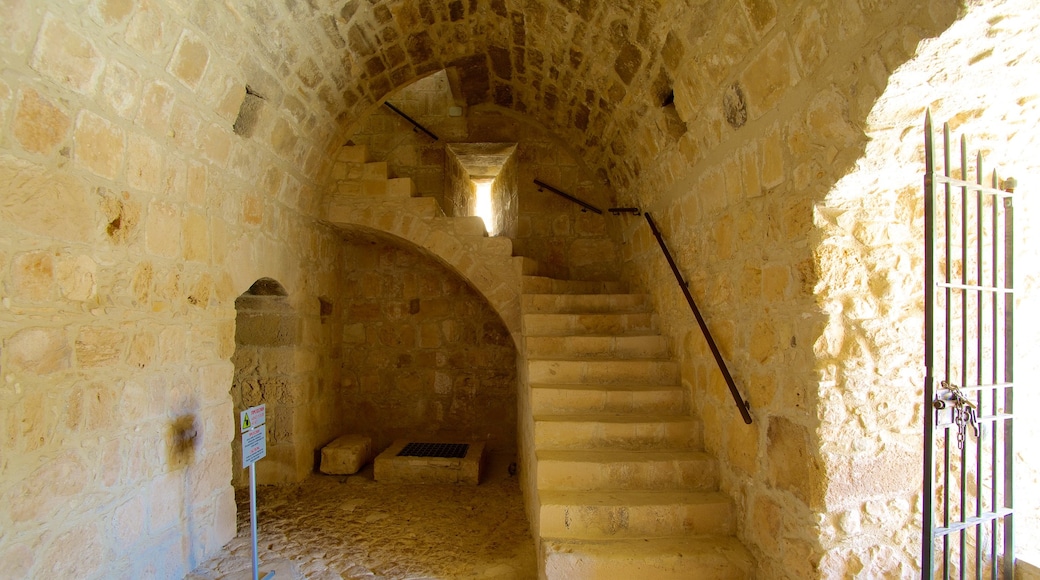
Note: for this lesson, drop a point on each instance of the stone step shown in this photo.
(585, 303)
(624, 432)
(636, 323)
(634, 514)
(353, 154)
(602, 470)
(462, 225)
(579, 399)
(670, 558)
(603, 372)
(400, 187)
(529, 266)
(597, 347)
(499, 246)
(544, 285)
(363, 210)
(374, 171)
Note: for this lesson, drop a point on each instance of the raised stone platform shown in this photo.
(394, 468)
(346, 455)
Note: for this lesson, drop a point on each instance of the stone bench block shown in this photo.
(346, 455)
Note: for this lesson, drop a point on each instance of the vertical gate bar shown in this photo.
(980, 252)
(1009, 348)
(928, 513)
(946, 340)
(964, 447)
(995, 378)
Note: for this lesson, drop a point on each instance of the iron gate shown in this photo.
(969, 303)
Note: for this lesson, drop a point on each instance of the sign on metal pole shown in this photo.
(254, 448)
(253, 417)
(254, 445)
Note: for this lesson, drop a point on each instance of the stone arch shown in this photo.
(513, 64)
(266, 329)
(425, 354)
(497, 280)
(869, 253)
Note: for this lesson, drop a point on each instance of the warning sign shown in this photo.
(253, 417)
(254, 446)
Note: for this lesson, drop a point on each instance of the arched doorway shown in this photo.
(265, 373)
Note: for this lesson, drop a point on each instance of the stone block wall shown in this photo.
(266, 331)
(159, 156)
(409, 153)
(564, 240)
(505, 199)
(133, 215)
(798, 222)
(773, 126)
(459, 190)
(424, 355)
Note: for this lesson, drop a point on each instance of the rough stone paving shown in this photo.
(354, 528)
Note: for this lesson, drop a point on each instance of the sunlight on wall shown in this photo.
(482, 207)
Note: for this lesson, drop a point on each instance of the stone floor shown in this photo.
(336, 527)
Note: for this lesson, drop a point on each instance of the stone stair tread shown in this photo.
(606, 386)
(631, 497)
(620, 455)
(690, 557)
(585, 359)
(586, 346)
(591, 324)
(635, 333)
(558, 286)
(614, 418)
(600, 303)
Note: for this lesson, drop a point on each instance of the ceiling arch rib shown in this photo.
(596, 73)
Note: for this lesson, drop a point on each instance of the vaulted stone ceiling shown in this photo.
(596, 72)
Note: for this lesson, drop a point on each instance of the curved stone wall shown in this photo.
(141, 197)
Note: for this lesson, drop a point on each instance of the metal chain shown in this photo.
(964, 412)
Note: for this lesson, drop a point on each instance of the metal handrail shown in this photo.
(742, 405)
(584, 205)
(412, 121)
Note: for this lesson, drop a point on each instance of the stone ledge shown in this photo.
(391, 468)
(346, 455)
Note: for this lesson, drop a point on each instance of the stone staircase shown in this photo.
(625, 489)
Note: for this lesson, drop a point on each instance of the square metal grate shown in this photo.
(447, 450)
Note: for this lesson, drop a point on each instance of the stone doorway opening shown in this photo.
(265, 373)
(424, 356)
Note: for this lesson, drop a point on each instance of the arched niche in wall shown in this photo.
(424, 353)
(265, 373)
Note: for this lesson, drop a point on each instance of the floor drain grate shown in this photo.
(447, 450)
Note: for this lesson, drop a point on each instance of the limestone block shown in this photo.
(196, 237)
(346, 455)
(145, 30)
(400, 187)
(390, 467)
(143, 163)
(189, 61)
(376, 170)
(353, 154)
(38, 350)
(67, 56)
(39, 125)
(769, 76)
(99, 346)
(99, 145)
(119, 87)
(162, 229)
(156, 106)
(215, 144)
(32, 276)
